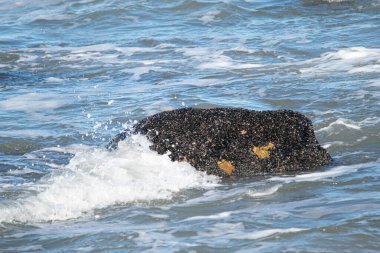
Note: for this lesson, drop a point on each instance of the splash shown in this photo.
(96, 178)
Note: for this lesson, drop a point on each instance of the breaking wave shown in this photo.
(96, 178)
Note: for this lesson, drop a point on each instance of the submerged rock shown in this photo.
(234, 141)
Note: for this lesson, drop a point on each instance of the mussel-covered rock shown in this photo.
(234, 141)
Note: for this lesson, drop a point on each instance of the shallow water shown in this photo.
(74, 73)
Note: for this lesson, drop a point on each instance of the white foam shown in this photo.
(371, 121)
(96, 178)
(336, 1)
(333, 143)
(207, 58)
(32, 102)
(243, 49)
(218, 216)
(210, 16)
(320, 176)
(83, 56)
(366, 69)
(220, 61)
(139, 71)
(217, 62)
(225, 62)
(54, 80)
(237, 231)
(197, 82)
(268, 233)
(51, 17)
(23, 171)
(343, 122)
(350, 60)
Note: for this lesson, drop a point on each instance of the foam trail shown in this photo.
(96, 178)
(316, 176)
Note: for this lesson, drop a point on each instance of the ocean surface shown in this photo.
(75, 73)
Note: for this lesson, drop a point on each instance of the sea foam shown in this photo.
(269, 232)
(32, 102)
(350, 60)
(96, 178)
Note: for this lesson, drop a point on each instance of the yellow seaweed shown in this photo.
(264, 151)
(226, 166)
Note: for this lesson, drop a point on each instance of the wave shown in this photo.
(263, 193)
(32, 102)
(268, 232)
(218, 216)
(96, 178)
(342, 122)
(316, 176)
(351, 60)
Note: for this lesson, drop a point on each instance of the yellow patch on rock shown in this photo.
(227, 166)
(243, 132)
(264, 151)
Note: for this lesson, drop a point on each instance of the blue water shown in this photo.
(74, 73)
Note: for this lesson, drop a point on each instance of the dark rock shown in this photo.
(234, 141)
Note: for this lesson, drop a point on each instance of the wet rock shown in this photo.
(234, 141)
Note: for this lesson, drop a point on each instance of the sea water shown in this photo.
(75, 73)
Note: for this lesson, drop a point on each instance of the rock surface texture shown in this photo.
(234, 141)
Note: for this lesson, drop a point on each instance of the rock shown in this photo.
(234, 141)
